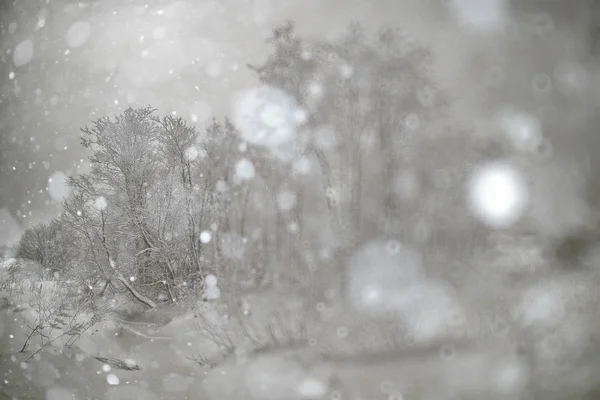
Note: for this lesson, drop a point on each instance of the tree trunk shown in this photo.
(138, 296)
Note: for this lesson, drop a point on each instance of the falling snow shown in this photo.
(191, 154)
(345, 219)
(210, 288)
(523, 130)
(481, 15)
(205, 237)
(78, 34)
(112, 379)
(498, 194)
(100, 203)
(378, 271)
(270, 118)
(58, 187)
(244, 169)
(286, 200)
(23, 53)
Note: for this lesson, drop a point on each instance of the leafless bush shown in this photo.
(283, 332)
(46, 244)
(60, 313)
(19, 277)
(214, 329)
(202, 360)
(230, 335)
(8, 283)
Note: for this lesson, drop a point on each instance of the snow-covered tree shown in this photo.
(46, 244)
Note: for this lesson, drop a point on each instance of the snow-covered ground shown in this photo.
(537, 336)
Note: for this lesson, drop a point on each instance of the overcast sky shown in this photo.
(65, 63)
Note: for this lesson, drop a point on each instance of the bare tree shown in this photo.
(45, 244)
(374, 96)
(125, 165)
(180, 150)
(90, 221)
(62, 313)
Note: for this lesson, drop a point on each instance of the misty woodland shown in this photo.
(338, 236)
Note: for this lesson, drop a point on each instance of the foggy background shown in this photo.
(66, 63)
(192, 285)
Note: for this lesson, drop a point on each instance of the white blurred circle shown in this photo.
(210, 280)
(346, 71)
(523, 130)
(244, 169)
(23, 53)
(78, 34)
(315, 89)
(371, 295)
(205, 237)
(100, 203)
(286, 200)
(312, 388)
(212, 292)
(269, 117)
(191, 153)
(572, 77)
(498, 194)
(482, 16)
(58, 187)
(112, 379)
(378, 272)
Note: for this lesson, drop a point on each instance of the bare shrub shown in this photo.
(18, 277)
(282, 331)
(213, 326)
(59, 313)
(202, 360)
(46, 244)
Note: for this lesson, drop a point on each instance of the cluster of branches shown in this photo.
(59, 313)
(45, 244)
(134, 222)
